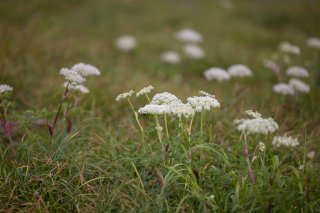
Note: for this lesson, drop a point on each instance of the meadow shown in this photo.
(243, 144)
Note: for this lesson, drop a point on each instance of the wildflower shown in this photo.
(124, 95)
(201, 103)
(154, 109)
(253, 114)
(313, 42)
(296, 71)
(239, 70)
(159, 128)
(261, 146)
(5, 88)
(311, 154)
(77, 87)
(165, 98)
(189, 35)
(126, 43)
(287, 141)
(85, 69)
(145, 90)
(272, 65)
(181, 110)
(283, 89)
(193, 51)
(256, 124)
(216, 73)
(299, 85)
(287, 47)
(72, 76)
(170, 57)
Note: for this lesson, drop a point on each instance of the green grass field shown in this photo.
(106, 164)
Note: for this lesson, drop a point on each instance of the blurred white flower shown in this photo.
(239, 70)
(311, 154)
(216, 73)
(165, 98)
(261, 146)
(193, 51)
(202, 103)
(287, 141)
(5, 88)
(145, 90)
(77, 87)
(270, 64)
(124, 95)
(72, 76)
(253, 114)
(181, 110)
(126, 43)
(287, 47)
(154, 109)
(299, 85)
(313, 42)
(170, 57)
(283, 89)
(189, 35)
(85, 69)
(296, 71)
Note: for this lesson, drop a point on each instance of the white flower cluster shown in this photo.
(165, 98)
(85, 69)
(216, 73)
(189, 35)
(256, 124)
(287, 141)
(253, 114)
(313, 42)
(77, 87)
(239, 70)
(182, 110)
(126, 43)
(124, 95)
(155, 109)
(287, 47)
(261, 146)
(283, 89)
(296, 71)
(170, 57)
(299, 86)
(202, 103)
(193, 51)
(145, 90)
(5, 88)
(72, 76)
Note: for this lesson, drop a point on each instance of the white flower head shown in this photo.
(253, 114)
(189, 35)
(181, 110)
(202, 103)
(145, 90)
(85, 69)
(285, 140)
(170, 57)
(239, 70)
(72, 76)
(311, 154)
(261, 146)
(287, 47)
(124, 95)
(126, 43)
(283, 89)
(216, 73)
(5, 88)
(193, 51)
(313, 42)
(165, 98)
(154, 109)
(296, 71)
(77, 87)
(299, 86)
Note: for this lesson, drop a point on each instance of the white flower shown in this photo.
(193, 51)
(299, 85)
(285, 141)
(77, 87)
(181, 110)
(165, 98)
(201, 103)
(287, 47)
(72, 76)
(272, 65)
(311, 154)
(5, 88)
(170, 57)
(126, 43)
(313, 42)
(124, 95)
(256, 125)
(85, 69)
(261, 146)
(283, 89)
(154, 109)
(216, 73)
(296, 71)
(253, 114)
(189, 35)
(159, 128)
(145, 90)
(239, 70)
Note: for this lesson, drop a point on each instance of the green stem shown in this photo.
(166, 125)
(246, 155)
